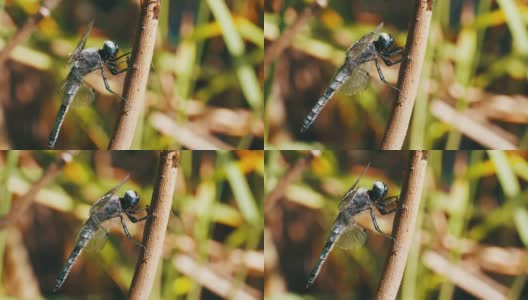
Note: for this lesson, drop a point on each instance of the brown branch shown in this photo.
(291, 175)
(475, 127)
(253, 260)
(220, 285)
(409, 76)
(25, 201)
(186, 135)
(274, 50)
(137, 75)
(404, 226)
(23, 33)
(472, 281)
(22, 280)
(154, 234)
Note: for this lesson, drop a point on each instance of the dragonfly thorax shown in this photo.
(109, 50)
(384, 42)
(378, 191)
(129, 200)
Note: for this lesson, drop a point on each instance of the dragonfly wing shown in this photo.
(346, 199)
(98, 240)
(85, 96)
(353, 236)
(81, 44)
(361, 45)
(350, 193)
(378, 29)
(358, 81)
(102, 201)
(75, 93)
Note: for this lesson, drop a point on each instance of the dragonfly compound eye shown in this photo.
(379, 189)
(110, 49)
(131, 198)
(384, 41)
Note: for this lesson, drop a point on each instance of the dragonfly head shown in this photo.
(384, 41)
(129, 200)
(109, 50)
(379, 190)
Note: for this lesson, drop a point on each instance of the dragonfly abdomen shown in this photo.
(340, 77)
(330, 243)
(68, 98)
(85, 235)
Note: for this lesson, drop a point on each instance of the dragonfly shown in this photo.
(92, 234)
(82, 62)
(346, 232)
(352, 77)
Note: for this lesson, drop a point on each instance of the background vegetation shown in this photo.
(202, 91)
(474, 72)
(471, 228)
(213, 243)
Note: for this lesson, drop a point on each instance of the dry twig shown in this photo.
(25, 201)
(404, 226)
(473, 282)
(154, 234)
(23, 33)
(274, 50)
(409, 76)
(293, 174)
(137, 75)
(477, 129)
(186, 135)
(253, 260)
(22, 281)
(220, 285)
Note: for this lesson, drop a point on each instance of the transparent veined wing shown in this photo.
(349, 194)
(353, 236)
(103, 199)
(361, 45)
(81, 44)
(356, 82)
(84, 93)
(345, 201)
(85, 96)
(98, 240)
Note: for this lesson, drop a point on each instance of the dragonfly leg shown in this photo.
(393, 52)
(113, 63)
(389, 63)
(134, 219)
(113, 67)
(388, 201)
(117, 63)
(385, 56)
(119, 57)
(108, 86)
(127, 233)
(373, 217)
(383, 78)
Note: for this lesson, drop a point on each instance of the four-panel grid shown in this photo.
(229, 149)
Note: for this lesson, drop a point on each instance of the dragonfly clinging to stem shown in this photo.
(93, 233)
(82, 62)
(346, 232)
(352, 77)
